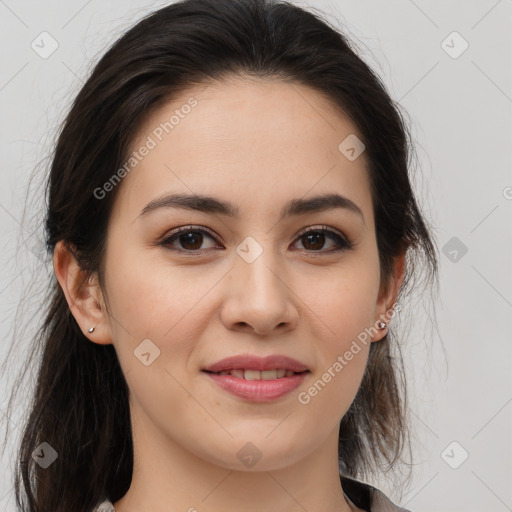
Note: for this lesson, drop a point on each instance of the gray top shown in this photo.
(367, 497)
(364, 496)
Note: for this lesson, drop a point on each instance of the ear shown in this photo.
(85, 299)
(388, 296)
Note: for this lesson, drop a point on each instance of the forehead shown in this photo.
(245, 138)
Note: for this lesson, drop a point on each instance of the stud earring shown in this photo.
(91, 329)
(382, 325)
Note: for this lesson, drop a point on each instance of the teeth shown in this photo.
(257, 375)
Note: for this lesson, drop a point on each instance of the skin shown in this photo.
(257, 144)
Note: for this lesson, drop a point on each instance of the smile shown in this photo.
(258, 386)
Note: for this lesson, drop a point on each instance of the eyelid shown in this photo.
(321, 227)
(193, 227)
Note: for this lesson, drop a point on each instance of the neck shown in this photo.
(168, 478)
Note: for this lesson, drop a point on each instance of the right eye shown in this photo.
(189, 237)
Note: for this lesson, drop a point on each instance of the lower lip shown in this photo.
(258, 390)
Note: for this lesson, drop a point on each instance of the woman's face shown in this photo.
(245, 280)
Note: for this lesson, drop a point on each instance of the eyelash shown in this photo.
(343, 243)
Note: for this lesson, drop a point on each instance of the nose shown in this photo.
(258, 297)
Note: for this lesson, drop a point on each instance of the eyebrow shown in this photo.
(207, 204)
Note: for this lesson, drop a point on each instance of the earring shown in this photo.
(382, 325)
(91, 329)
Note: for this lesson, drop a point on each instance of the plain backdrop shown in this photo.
(449, 66)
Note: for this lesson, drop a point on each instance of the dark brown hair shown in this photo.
(80, 403)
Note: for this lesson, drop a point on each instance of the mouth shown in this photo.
(247, 374)
(258, 386)
(258, 379)
(254, 367)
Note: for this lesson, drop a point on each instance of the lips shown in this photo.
(257, 364)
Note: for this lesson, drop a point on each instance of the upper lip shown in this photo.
(250, 362)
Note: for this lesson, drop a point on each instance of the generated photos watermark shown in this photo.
(150, 143)
(304, 397)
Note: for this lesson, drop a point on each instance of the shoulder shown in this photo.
(367, 497)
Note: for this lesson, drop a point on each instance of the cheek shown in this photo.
(342, 307)
(345, 347)
(147, 295)
(344, 299)
(165, 304)
(342, 348)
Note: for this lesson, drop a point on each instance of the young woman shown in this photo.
(231, 222)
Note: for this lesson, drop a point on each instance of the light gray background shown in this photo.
(460, 112)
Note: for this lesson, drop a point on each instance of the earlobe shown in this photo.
(84, 297)
(387, 298)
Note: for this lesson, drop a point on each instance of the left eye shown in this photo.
(191, 239)
(316, 236)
